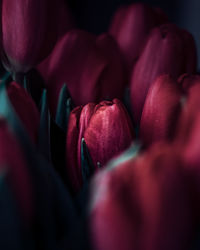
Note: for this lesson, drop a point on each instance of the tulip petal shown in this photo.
(161, 110)
(164, 53)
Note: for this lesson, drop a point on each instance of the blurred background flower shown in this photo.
(95, 16)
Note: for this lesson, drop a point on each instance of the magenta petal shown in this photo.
(161, 110)
(109, 132)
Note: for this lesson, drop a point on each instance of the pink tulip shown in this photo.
(161, 111)
(187, 134)
(130, 27)
(142, 203)
(107, 131)
(30, 30)
(164, 53)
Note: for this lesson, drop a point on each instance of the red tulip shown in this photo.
(13, 165)
(142, 204)
(107, 131)
(130, 27)
(91, 67)
(164, 53)
(161, 110)
(188, 132)
(25, 109)
(31, 33)
(188, 135)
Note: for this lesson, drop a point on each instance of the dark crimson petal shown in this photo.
(31, 33)
(25, 108)
(161, 111)
(142, 203)
(130, 27)
(113, 79)
(76, 61)
(91, 67)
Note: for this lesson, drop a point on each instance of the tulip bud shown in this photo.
(13, 165)
(188, 132)
(107, 131)
(142, 204)
(91, 68)
(31, 33)
(164, 53)
(161, 111)
(130, 27)
(188, 135)
(25, 108)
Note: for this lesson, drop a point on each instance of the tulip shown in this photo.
(13, 165)
(188, 135)
(161, 110)
(164, 53)
(31, 33)
(25, 108)
(107, 131)
(142, 203)
(190, 109)
(130, 27)
(187, 132)
(91, 67)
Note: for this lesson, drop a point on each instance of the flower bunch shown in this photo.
(99, 134)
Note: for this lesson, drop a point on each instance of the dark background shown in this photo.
(95, 15)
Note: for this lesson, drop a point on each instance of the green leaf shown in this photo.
(87, 166)
(26, 85)
(127, 155)
(44, 129)
(64, 108)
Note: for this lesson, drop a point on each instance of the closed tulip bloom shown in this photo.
(190, 108)
(91, 67)
(143, 203)
(130, 27)
(13, 165)
(161, 111)
(107, 131)
(31, 33)
(164, 53)
(25, 108)
(187, 133)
